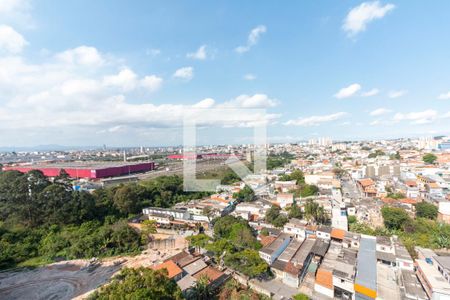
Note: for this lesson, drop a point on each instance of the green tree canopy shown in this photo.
(394, 218)
(247, 262)
(426, 210)
(245, 195)
(429, 158)
(141, 283)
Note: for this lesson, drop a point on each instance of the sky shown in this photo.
(124, 73)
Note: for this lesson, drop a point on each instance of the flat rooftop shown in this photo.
(81, 165)
(434, 277)
(412, 286)
(367, 263)
(303, 252)
(290, 251)
(272, 247)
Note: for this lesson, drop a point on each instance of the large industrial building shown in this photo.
(88, 170)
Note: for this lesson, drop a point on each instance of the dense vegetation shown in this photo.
(421, 231)
(245, 195)
(141, 283)
(234, 244)
(41, 221)
(274, 217)
(279, 160)
(429, 158)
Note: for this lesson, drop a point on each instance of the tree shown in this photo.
(230, 177)
(64, 179)
(201, 290)
(280, 221)
(394, 218)
(298, 176)
(148, 227)
(140, 283)
(426, 210)
(198, 241)
(126, 199)
(300, 297)
(247, 262)
(272, 213)
(429, 158)
(351, 220)
(245, 195)
(264, 232)
(295, 211)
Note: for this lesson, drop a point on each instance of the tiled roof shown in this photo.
(210, 272)
(172, 269)
(324, 278)
(338, 233)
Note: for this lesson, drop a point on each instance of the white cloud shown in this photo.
(421, 117)
(126, 79)
(380, 111)
(348, 91)
(361, 15)
(186, 73)
(254, 101)
(252, 39)
(83, 55)
(10, 40)
(397, 94)
(444, 96)
(370, 93)
(16, 12)
(79, 86)
(152, 83)
(249, 77)
(205, 103)
(200, 54)
(316, 120)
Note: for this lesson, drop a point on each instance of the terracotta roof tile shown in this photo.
(210, 272)
(172, 269)
(324, 278)
(337, 233)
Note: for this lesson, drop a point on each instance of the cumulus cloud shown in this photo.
(380, 111)
(316, 120)
(151, 83)
(10, 40)
(83, 55)
(370, 93)
(357, 19)
(186, 73)
(397, 94)
(348, 91)
(16, 12)
(200, 54)
(125, 79)
(55, 95)
(444, 96)
(252, 39)
(421, 117)
(251, 101)
(205, 103)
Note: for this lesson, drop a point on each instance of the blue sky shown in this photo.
(120, 73)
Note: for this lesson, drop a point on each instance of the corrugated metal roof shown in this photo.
(367, 263)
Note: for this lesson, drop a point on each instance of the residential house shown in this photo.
(271, 252)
